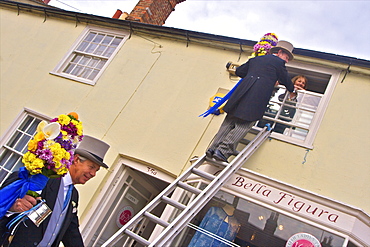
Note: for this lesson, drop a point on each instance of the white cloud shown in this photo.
(338, 27)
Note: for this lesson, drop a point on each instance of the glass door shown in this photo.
(127, 197)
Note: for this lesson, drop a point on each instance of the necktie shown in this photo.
(68, 196)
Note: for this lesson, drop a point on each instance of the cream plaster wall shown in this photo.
(147, 102)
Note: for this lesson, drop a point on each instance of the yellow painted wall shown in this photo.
(146, 105)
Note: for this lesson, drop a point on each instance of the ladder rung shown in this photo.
(245, 141)
(155, 219)
(189, 188)
(203, 174)
(138, 238)
(173, 203)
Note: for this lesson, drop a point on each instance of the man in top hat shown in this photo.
(248, 102)
(62, 224)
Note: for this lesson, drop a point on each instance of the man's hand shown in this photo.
(24, 204)
(296, 87)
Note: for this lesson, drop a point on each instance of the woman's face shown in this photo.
(300, 82)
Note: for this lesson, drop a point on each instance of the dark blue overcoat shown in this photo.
(30, 236)
(250, 98)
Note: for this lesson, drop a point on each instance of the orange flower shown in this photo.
(73, 114)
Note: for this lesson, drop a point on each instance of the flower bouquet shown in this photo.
(263, 47)
(50, 154)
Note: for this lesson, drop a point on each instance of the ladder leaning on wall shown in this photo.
(200, 198)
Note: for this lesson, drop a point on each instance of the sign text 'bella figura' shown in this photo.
(284, 199)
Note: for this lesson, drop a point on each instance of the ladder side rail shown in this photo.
(155, 201)
(206, 195)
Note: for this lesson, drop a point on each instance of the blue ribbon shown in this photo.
(19, 188)
(214, 108)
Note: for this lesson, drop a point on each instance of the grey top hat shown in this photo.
(93, 149)
(285, 46)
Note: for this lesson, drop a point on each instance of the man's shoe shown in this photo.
(209, 153)
(219, 156)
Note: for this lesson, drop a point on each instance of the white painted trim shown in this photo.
(68, 56)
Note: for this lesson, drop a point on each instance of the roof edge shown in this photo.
(186, 33)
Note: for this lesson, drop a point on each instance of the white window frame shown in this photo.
(62, 65)
(321, 108)
(12, 131)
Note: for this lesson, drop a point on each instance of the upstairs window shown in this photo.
(91, 54)
(297, 121)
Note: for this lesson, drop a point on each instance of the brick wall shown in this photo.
(153, 12)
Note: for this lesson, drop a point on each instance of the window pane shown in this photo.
(27, 122)
(91, 48)
(109, 52)
(101, 64)
(100, 50)
(116, 41)
(93, 74)
(82, 46)
(76, 58)
(85, 60)
(107, 40)
(69, 68)
(90, 36)
(85, 73)
(98, 38)
(93, 62)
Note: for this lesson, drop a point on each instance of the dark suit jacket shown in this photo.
(250, 98)
(30, 236)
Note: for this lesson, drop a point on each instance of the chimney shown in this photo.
(153, 12)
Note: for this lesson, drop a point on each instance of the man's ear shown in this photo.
(76, 157)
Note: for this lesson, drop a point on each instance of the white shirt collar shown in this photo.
(67, 179)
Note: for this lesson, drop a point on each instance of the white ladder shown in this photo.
(189, 211)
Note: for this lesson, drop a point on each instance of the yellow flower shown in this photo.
(78, 125)
(65, 135)
(39, 137)
(67, 155)
(32, 145)
(36, 166)
(64, 119)
(62, 171)
(28, 157)
(32, 164)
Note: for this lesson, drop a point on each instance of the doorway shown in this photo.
(130, 192)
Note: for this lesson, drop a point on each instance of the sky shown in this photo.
(337, 26)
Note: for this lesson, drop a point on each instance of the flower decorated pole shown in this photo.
(262, 48)
(50, 154)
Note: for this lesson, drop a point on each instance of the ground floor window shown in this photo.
(14, 142)
(229, 220)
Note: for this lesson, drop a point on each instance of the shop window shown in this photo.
(90, 56)
(14, 142)
(297, 121)
(228, 220)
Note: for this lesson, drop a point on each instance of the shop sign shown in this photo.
(302, 240)
(284, 199)
(124, 215)
(288, 201)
